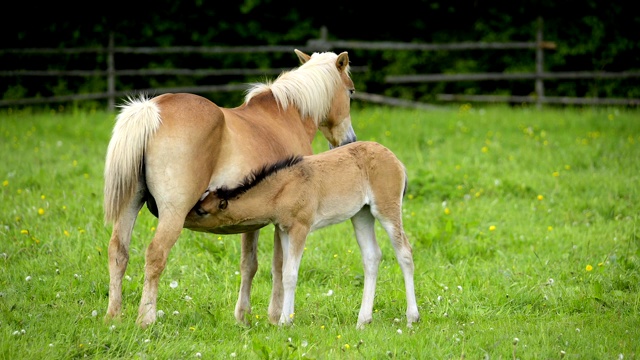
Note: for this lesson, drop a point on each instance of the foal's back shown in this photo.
(355, 175)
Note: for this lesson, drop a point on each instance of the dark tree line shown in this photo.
(591, 35)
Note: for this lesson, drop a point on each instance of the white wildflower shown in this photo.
(174, 284)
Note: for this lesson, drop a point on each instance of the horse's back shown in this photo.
(184, 152)
(186, 108)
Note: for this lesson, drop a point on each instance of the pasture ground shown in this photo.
(524, 226)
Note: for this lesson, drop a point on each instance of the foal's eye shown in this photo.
(351, 91)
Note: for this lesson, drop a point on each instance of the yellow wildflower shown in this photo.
(589, 268)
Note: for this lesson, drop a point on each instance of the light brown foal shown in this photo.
(361, 181)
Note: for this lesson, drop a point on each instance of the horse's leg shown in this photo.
(248, 269)
(167, 233)
(119, 254)
(363, 225)
(292, 246)
(404, 255)
(275, 304)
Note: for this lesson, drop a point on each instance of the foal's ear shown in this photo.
(343, 61)
(302, 56)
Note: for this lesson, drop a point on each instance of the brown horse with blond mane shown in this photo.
(362, 181)
(167, 150)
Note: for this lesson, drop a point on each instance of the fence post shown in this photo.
(111, 74)
(539, 65)
(321, 44)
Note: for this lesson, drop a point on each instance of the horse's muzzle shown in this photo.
(351, 137)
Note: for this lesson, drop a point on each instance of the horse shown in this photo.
(361, 181)
(165, 151)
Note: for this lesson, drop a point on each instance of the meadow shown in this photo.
(523, 224)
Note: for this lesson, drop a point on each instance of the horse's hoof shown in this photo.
(108, 318)
(243, 315)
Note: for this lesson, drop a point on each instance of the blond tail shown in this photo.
(138, 120)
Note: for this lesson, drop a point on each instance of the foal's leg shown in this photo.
(404, 255)
(363, 224)
(292, 246)
(275, 304)
(119, 254)
(248, 269)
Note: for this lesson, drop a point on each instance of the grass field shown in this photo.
(523, 225)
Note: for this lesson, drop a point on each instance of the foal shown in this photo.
(362, 181)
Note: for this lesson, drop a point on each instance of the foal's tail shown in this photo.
(138, 120)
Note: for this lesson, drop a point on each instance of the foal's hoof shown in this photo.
(361, 323)
(412, 319)
(286, 321)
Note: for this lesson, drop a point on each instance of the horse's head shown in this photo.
(336, 125)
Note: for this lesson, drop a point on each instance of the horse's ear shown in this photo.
(343, 61)
(302, 56)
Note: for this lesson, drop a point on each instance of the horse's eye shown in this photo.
(351, 91)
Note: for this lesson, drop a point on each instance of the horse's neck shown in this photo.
(285, 124)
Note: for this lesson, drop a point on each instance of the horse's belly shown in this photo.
(226, 230)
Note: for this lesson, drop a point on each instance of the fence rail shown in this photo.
(321, 44)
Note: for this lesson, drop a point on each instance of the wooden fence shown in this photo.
(321, 44)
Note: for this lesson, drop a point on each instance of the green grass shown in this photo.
(523, 225)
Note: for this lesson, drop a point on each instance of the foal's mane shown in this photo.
(309, 87)
(253, 179)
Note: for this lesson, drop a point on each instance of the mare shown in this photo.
(361, 181)
(167, 150)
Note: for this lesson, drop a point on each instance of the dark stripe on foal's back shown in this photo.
(256, 177)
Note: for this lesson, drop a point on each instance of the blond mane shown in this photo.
(309, 87)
